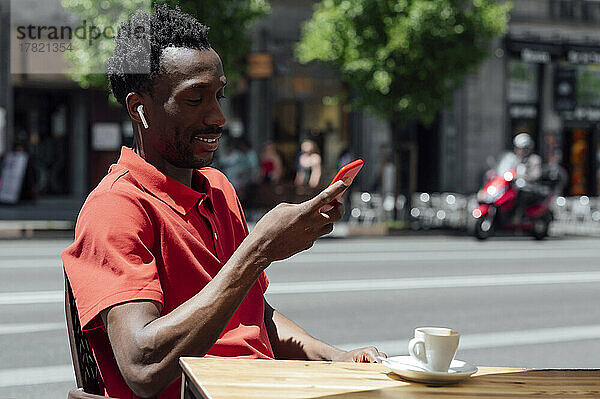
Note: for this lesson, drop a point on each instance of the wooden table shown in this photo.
(221, 378)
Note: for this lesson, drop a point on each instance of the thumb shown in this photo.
(327, 195)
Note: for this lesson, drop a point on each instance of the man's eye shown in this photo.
(195, 100)
(219, 98)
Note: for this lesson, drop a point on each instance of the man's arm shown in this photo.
(290, 341)
(147, 346)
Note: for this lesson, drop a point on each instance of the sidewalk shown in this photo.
(45, 217)
(56, 218)
(44, 209)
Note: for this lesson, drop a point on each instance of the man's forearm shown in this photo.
(192, 328)
(290, 341)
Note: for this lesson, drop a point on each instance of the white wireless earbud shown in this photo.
(140, 111)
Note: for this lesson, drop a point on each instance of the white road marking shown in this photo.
(32, 263)
(440, 256)
(495, 339)
(492, 280)
(33, 297)
(36, 376)
(25, 328)
(433, 282)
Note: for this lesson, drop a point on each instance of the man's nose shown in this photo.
(215, 117)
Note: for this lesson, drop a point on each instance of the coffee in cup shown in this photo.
(434, 347)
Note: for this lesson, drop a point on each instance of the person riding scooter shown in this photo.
(529, 171)
(515, 196)
(529, 163)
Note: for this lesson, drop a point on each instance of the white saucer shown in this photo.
(411, 369)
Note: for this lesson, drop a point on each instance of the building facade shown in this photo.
(296, 101)
(542, 78)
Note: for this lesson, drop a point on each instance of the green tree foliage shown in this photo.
(88, 59)
(228, 19)
(403, 57)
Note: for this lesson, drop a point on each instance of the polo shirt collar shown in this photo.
(173, 193)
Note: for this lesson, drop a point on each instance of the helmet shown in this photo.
(523, 140)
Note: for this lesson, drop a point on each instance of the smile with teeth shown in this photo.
(206, 140)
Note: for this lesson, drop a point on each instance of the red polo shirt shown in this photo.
(141, 235)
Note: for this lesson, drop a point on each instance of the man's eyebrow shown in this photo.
(200, 85)
(204, 85)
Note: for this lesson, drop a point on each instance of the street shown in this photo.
(516, 302)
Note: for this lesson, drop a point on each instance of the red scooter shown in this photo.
(498, 201)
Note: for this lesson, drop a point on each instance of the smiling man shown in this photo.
(163, 265)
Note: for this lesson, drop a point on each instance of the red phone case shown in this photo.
(350, 170)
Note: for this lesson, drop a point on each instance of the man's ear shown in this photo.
(133, 101)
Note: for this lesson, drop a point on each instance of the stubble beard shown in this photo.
(178, 152)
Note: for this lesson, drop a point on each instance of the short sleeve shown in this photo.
(263, 281)
(111, 261)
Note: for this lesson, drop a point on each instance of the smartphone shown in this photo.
(350, 170)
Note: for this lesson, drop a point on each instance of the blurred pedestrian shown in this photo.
(308, 170)
(271, 166)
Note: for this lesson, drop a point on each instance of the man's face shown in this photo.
(521, 152)
(185, 114)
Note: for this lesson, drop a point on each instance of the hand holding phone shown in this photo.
(348, 171)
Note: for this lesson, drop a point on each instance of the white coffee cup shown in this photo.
(434, 347)
(419, 334)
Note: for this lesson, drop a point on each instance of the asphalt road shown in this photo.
(516, 302)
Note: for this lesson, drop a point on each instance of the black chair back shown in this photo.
(84, 363)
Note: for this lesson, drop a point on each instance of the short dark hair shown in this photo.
(166, 27)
